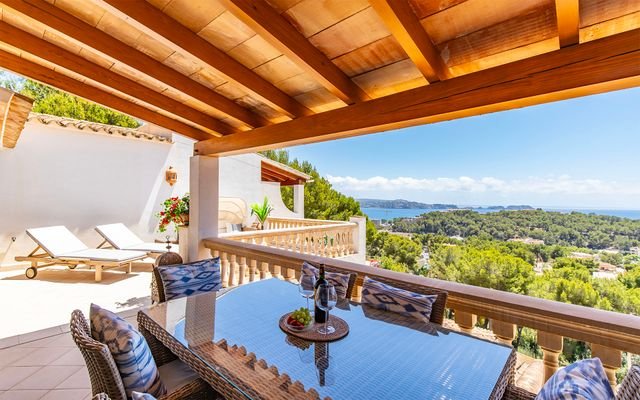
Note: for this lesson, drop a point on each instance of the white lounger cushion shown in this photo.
(60, 243)
(118, 235)
(121, 237)
(104, 255)
(56, 240)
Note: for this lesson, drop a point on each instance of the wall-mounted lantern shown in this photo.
(171, 176)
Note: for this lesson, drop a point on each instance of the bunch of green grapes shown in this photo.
(302, 315)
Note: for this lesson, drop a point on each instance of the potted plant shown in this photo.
(261, 211)
(176, 211)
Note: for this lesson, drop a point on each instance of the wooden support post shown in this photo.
(466, 321)
(98, 273)
(551, 345)
(611, 360)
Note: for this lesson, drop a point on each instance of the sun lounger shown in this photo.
(120, 237)
(57, 245)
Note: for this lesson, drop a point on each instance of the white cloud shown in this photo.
(562, 184)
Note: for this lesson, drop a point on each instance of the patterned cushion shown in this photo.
(142, 396)
(340, 281)
(190, 279)
(389, 298)
(582, 380)
(129, 350)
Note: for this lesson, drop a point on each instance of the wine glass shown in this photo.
(326, 299)
(306, 287)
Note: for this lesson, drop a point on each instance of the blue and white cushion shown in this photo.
(130, 352)
(190, 279)
(338, 280)
(389, 298)
(142, 396)
(582, 380)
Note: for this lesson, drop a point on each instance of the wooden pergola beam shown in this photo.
(181, 37)
(50, 77)
(568, 19)
(412, 37)
(598, 66)
(66, 24)
(63, 58)
(276, 30)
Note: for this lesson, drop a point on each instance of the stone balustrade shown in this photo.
(608, 333)
(331, 239)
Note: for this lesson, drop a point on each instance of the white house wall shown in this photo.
(240, 177)
(65, 176)
(79, 179)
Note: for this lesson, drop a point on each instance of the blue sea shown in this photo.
(391, 213)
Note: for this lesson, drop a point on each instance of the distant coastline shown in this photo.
(407, 205)
(400, 209)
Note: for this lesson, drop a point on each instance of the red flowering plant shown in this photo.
(175, 210)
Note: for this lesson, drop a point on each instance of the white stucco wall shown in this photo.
(65, 176)
(240, 177)
(80, 179)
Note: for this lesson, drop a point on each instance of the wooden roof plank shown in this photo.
(47, 76)
(171, 30)
(414, 39)
(274, 28)
(102, 42)
(568, 17)
(63, 58)
(601, 65)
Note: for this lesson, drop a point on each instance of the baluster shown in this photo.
(504, 331)
(314, 243)
(243, 270)
(611, 360)
(291, 242)
(224, 265)
(215, 253)
(233, 271)
(306, 244)
(465, 320)
(253, 265)
(264, 269)
(277, 271)
(551, 345)
(291, 274)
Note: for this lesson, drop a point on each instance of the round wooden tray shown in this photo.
(312, 334)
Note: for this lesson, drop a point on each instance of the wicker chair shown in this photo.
(104, 374)
(629, 389)
(438, 308)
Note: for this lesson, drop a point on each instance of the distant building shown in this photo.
(577, 254)
(526, 240)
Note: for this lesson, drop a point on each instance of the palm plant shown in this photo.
(262, 211)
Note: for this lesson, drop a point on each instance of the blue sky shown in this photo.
(576, 153)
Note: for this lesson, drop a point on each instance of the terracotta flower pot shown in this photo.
(185, 219)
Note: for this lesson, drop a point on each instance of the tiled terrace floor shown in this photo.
(51, 368)
(29, 305)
